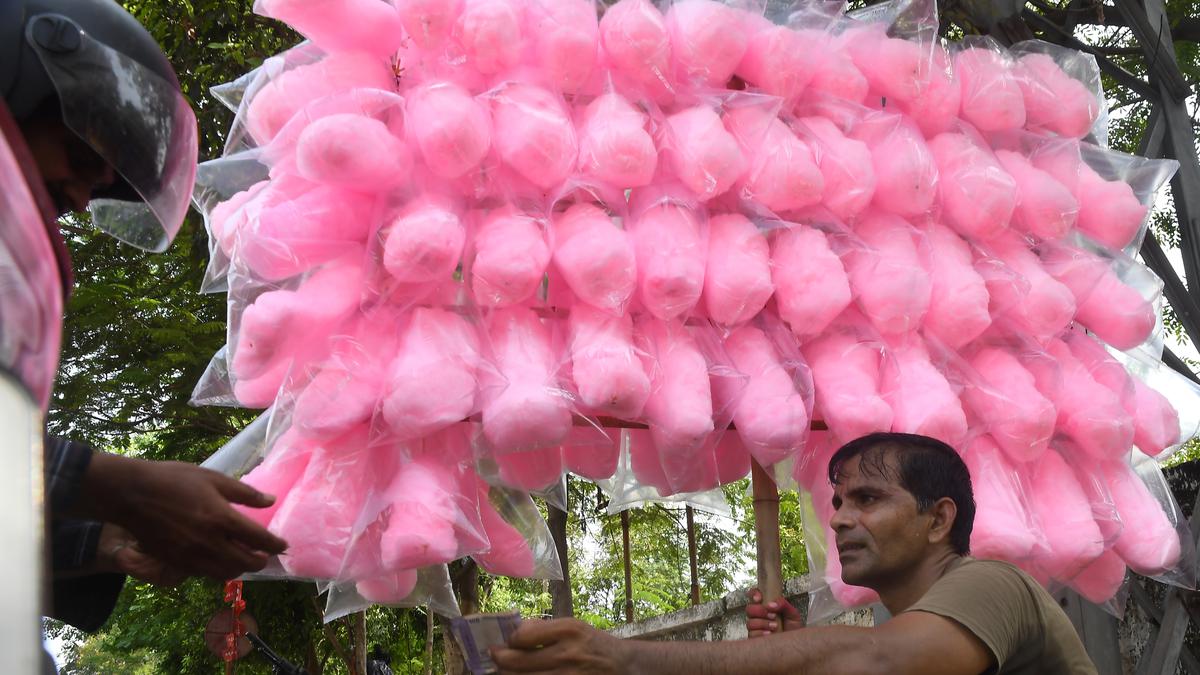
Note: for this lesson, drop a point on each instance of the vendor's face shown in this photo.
(881, 537)
(71, 170)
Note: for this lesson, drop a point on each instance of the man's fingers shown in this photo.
(530, 661)
(240, 493)
(534, 634)
(756, 611)
(242, 530)
(755, 596)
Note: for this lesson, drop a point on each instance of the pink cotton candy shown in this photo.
(633, 35)
(770, 414)
(489, 34)
(227, 219)
(524, 409)
(1155, 420)
(295, 225)
(958, 298)
(530, 470)
(991, 97)
(450, 128)
(391, 588)
(670, 258)
(887, 279)
(260, 391)
(706, 41)
(782, 172)
(317, 518)
(1156, 423)
(1018, 417)
(509, 554)
(846, 167)
(976, 195)
(1028, 295)
(1109, 211)
(595, 257)
(594, 461)
(276, 476)
(921, 399)
(833, 71)
(344, 392)
(283, 324)
(1088, 412)
(1002, 529)
(906, 177)
(737, 279)
(777, 59)
(939, 98)
(1101, 579)
(534, 134)
(567, 41)
(284, 96)
(705, 156)
(1054, 100)
(423, 512)
(894, 67)
(733, 460)
(606, 370)
(424, 243)
(645, 464)
(1062, 509)
(680, 408)
(367, 26)
(432, 381)
(1148, 543)
(1116, 313)
(846, 374)
(511, 256)
(428, 22)
(614, 145)
(811, 286)
(1044, 208)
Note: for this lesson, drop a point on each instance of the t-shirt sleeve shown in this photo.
(989, 599)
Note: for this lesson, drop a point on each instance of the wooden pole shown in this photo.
(766, 531)
(628, 573)
(691, 536)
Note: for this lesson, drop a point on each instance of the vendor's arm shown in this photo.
(178, 513)
(914, 643)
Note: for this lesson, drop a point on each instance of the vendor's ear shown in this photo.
(943, 513)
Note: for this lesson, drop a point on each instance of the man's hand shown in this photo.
(180, 514)
(772, 617)
(561, 646)
(117, 551)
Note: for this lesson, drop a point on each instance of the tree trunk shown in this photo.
(561, 604)
(465, 581)
(359, 630)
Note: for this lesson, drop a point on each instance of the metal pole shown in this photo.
(628, 575)
(691, 536)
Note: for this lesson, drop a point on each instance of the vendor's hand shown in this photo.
(772, 617)
(180, 514)
(117, 551)
(560, 646)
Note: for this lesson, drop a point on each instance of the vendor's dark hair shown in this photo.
(929, 470)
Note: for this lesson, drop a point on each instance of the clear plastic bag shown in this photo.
(593, 256)
(738, 275)
(1062, 90)
(782, 174)
(430, 587)
(521, 543)
(533, 134)
(922, 400)
(509, 250)
(976, 195)
(606, 372)
(615, 142)
(565, 41)
(636, 48)
(223, 187)
(958, 296)
(639, 480)
(845, 364)
(992, 100)
(669, 234)
(886, 274)
(906, 175)
(811, 285)
(846, 165)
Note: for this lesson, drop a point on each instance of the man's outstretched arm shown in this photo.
(914, 643)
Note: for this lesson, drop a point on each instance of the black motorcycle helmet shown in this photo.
(116, 90)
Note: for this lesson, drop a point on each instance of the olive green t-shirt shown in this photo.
(1023, 627)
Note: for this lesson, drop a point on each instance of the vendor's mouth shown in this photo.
(843, 549)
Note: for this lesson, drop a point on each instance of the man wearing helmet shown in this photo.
(92, 117)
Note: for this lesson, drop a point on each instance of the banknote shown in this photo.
(476, 634)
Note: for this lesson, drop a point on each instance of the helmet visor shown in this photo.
(139, 124)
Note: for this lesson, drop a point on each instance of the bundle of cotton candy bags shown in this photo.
(486, 230)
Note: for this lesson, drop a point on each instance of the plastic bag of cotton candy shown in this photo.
(645, 242)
